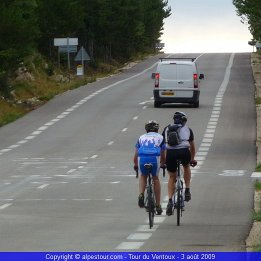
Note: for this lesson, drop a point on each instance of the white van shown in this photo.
(177, 81)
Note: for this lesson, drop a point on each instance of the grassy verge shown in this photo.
(257, 215)
(45, 82)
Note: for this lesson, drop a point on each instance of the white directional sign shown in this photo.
(65, 41)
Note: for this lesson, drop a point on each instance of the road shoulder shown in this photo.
(254, 237)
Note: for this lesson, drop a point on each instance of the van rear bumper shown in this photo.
(192, 100)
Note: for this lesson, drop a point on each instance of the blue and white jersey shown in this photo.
(150, 144)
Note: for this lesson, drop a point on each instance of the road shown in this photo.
(67, 179)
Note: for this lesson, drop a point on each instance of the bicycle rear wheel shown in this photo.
(151, 208)
(178, 207)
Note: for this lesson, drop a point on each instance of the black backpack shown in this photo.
(173, 135)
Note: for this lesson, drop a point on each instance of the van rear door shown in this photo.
(168, 76)
(185, 76)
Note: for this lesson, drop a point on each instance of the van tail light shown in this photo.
(195, 78)
(157, 76)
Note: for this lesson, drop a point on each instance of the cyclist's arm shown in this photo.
(192, 150)
(162, 157)
(135, 158)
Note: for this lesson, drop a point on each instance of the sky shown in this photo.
(207, 26)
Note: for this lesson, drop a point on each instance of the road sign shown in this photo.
(82, 55)
(79, 70)
(160, 45)
(66, 45)
(69, 48)
(65, 41)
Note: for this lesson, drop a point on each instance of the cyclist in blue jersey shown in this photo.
(150, 148)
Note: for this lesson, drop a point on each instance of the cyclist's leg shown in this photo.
(186, 157)
(171, 162)
(142, 181)
(157, 186)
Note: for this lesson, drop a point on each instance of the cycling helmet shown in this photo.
(179, 117)
(152, 126)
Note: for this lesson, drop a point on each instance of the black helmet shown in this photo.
(179, 117)
(152, 126)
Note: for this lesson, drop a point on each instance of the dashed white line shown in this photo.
(43, 186)
(130, 245)
(139, 236)
(71, 171)
(5, 206)
(43, 128)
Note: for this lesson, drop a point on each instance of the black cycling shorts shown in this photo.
(173, 155)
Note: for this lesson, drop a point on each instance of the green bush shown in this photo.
(4, 90)
(258, 167)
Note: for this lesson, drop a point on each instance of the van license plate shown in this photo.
(168, 93)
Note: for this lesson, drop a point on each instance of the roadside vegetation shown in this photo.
(257, 215)
(112, 32)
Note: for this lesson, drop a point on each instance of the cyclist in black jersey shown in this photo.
(185, 152)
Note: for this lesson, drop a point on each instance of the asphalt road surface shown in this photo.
(67, 181)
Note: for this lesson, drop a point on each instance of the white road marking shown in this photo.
(256, 175)
(5, 206)
(43, 186)
(157, 219)
(130, 245)
(71, 171)
(29, 137)
(145, 228)
(5, 150)
(13, 146)
(139, 236)
(232, 173)
(49, 123)
(36, 132)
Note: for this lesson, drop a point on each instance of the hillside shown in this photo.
(37, 81)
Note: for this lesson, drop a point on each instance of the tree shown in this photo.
(250, 12)
(59, 18)
(19, 31)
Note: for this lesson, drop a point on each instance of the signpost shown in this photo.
(66, 45)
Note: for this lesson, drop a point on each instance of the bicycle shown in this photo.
(150, 202)
(178, 196)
